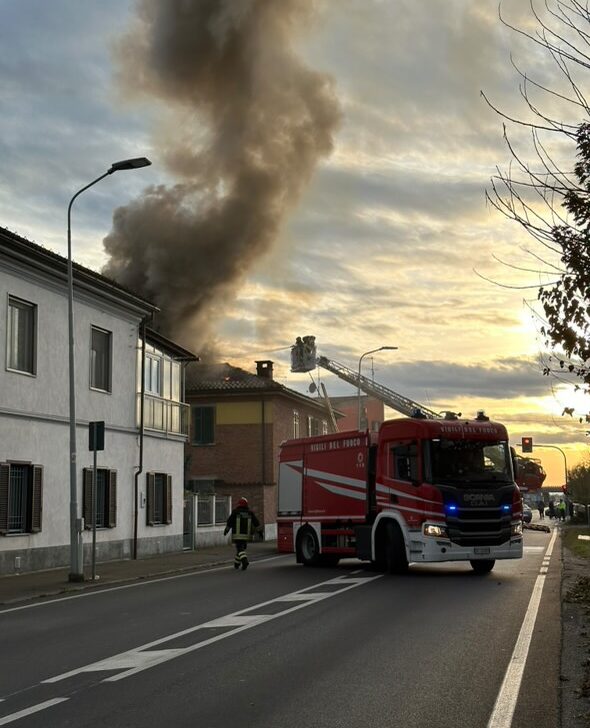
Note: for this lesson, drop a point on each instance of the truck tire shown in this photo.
(482, 566)
(308, 547)
(396, 561)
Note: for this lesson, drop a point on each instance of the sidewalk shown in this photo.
(34, 585)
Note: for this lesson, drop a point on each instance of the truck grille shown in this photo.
(479, 526)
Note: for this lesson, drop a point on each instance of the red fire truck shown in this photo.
(418, 491)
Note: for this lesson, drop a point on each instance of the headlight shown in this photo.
(432, 529)
(516, 529)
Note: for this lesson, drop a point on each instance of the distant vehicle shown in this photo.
(527, 514)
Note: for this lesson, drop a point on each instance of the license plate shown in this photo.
(481, 551)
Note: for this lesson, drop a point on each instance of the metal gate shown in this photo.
(188, 531)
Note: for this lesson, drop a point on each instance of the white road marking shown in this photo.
(29, 711)
(144, 657)
(143, 582)
(505, 705)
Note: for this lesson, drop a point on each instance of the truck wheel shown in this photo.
(308, 547)
(396, 561)
(482, 566)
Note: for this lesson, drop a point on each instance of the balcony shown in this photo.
(164, 415)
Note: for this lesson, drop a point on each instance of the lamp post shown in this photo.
(76, 551)
(372, 351)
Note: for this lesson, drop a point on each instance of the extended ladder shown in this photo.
(392, 399)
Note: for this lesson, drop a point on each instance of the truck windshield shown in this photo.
(470, 461)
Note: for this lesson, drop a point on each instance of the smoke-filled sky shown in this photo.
(317, 168)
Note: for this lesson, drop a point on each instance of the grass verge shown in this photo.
(577, 546)
(579, 592)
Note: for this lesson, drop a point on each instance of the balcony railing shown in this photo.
(164, 415)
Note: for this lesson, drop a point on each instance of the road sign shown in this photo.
(96, 436)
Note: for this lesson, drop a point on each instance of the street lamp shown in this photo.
(76, 551)
(381, 348)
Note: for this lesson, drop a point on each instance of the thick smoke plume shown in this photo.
(248, 124)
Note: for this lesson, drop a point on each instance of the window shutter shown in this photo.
(209, 425)
(4, 490)
(87, 498)
(168, 499)
(151, 493)
(37, 499)
(112, 496)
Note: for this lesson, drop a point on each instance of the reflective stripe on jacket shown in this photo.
(243, 524)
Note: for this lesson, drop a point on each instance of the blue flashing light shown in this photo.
(506, 508)
(451, 508)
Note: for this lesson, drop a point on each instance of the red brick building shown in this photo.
(237, 422)
(372, 412)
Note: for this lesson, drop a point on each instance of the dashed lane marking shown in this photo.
(141, 658)
(29, 711)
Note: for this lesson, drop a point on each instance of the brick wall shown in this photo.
(373, 408)
(262, 499)
(236, 457)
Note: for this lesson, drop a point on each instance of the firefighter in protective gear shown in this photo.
(243, 524)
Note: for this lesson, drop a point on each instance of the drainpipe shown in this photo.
(263, 447)
(141, 412)
(263, 441)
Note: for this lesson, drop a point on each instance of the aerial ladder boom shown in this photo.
(529, 473)
(304, 359)
(392, 399)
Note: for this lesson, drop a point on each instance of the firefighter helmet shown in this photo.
(243, 503)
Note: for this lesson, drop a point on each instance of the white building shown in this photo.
(140, 478)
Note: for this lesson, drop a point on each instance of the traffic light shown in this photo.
(527, 444)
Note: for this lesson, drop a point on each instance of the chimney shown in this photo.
(264, 369)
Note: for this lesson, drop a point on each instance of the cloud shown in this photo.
(59, 126)
(382, 245)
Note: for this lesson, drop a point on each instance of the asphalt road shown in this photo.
(282, 645)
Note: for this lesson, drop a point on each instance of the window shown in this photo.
(100, 360)
(21, 336)
(404, 462)
(316, 426)
(470, 461)
(106, 498)
(153, 376)
(213, 510)
(176, 374)
(203, 425)
(159, 499)
(295, 423)
(21, 498)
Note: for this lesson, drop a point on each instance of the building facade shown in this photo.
(238, 420)
(139, 474)
(372, 412)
